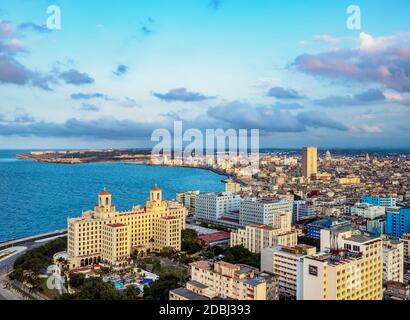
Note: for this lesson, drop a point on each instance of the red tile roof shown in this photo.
(217, 236)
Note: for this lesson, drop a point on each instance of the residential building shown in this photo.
(405, 238)
(211, 280)
(309, 162)
(109, 236)
(287, 263)
(354, 273)
(188, 200)
(383, 201)
(214, 207)
(257, 237)
(349, 180)
(393, 260)
(232, 186)
(397, 291)
(367, 211)
(313, 229)
(376, 227)
(397, 221)
(303, 210)
(264, 211)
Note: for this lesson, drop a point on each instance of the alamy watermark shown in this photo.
(354, 21)
(54, 17)
(217, 147)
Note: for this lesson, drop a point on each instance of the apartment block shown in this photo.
(393, 260)
(354, 273)
(264, 211)
(287, 263)
(211, 280)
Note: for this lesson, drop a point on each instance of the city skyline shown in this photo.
(115, 73)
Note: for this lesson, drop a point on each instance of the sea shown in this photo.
(38, 197)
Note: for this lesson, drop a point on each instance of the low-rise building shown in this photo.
(367, 211)
(222, 280)
(303, 210)
(383, 201)
(397, 291)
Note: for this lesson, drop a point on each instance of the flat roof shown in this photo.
(189, 294)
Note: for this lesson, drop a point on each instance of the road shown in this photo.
(6, 266)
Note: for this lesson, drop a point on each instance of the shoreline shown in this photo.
(131, 161)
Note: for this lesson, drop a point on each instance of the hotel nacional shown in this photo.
(108, 236)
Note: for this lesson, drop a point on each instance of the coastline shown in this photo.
(137, 159)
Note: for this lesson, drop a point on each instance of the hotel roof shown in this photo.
(116, 225)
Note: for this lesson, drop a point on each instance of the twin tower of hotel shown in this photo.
(109, 236)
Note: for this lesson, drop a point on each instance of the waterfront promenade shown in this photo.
(21, 246)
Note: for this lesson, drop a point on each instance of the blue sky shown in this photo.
(117, 70)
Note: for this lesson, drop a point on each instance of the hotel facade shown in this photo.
(104, 235)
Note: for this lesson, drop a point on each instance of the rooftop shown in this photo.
(189, 295)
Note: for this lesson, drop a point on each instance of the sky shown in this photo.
(117, 70)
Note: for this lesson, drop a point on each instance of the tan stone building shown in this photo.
(222, 280)
(106, 235)
(256, 237)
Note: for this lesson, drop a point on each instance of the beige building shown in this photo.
(349, 180)
(393, 260)
(256, 237)
(106, 235)
(287, 263)
(309, 162)
(222, 280)
(232, 186)
(405, 238)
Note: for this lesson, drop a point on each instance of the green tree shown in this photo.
(159, 290)
(131, 293)
(77, 280)
(239, 254)
(190, 241)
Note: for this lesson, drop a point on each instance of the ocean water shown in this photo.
(39, 197)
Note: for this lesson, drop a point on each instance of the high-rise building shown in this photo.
(264, 211)
(211, 280)
(397, 221)
(213, 207)
(309, 161)
(328, 156)
(354, 273)
(393, 260)
(287, 263)
(107, 235)
(405, 238)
